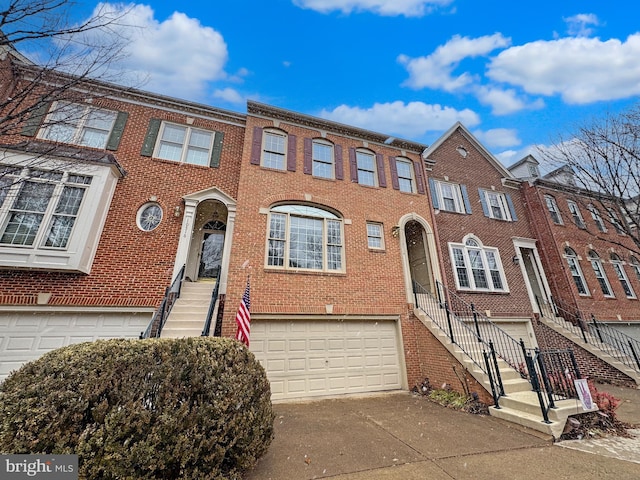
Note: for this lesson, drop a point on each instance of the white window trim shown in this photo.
(287, 241)
(381, 236)
(373, 162)
(83, 241)
(598, 266)
(618, 268)
(409, 163)
(573, 260)
(552, 207)
(285, 140)
(49, 124)
(576, 215)
(597, 218)
(467, 264)
(458, 201)
(315, 161)
(185, 150)
(502, 201)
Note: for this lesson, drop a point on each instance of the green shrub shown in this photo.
(196, 408)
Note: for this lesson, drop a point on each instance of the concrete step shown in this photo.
(181, 332)
(528, 420)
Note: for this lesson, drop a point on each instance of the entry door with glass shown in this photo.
(211, 250)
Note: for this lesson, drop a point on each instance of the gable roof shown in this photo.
(476, 144)
(528, 159)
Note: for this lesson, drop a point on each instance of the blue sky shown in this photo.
(517, 74)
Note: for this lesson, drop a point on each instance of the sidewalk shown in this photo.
(402, 436)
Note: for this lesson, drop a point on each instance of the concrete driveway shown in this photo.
(402, 436)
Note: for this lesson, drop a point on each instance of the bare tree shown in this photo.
(603, 157)
(64, 54)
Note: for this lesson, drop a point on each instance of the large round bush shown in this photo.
(195, 408)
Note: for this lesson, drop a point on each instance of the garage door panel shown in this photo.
(328, 357)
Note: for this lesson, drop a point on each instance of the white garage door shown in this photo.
(27, 336)
(519, 330)
(307, 358)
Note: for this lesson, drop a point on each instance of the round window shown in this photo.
(149, 216)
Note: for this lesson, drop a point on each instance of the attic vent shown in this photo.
(462, 151)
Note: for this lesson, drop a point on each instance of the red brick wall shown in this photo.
(552, 240)
(131, 267)
(590, 366)
(475, 171)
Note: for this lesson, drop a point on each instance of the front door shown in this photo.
(211, 252)
(535, 280)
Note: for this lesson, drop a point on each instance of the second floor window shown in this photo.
(601, 276)
(450, 197)
(576, 272)
(552, 206)
(406, 181)
(78, 124)
(497, 205)
(273, 150)
(597, 219)
(184, 144)
(575, 213)
(322, 159)
(615, 221)
(366, 163)
(618, 267)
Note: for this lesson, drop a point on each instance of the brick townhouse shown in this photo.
(592, 269)
(105, 196)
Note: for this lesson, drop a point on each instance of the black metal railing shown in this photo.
(552, 374)
(605, 337)
(212, 306)
(467, 328)
(507, 347)
(171, 294)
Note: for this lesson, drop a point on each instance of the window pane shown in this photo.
(477, 268)
(173, 134)
(374, 235)
(305, 249)
(200, 138)
(60, 231)
(461, 270)
(273, 155)
(170, 151)
(197, 156)
(70, 200)
(21, 228)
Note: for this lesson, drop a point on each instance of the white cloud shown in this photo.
(498, 137)
(436, 70)
(229, 95)
(408, 8)
(578, 25)
(410, 120)
(581, 70)
(504, 102)
(177, 56)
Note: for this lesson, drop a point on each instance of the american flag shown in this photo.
(243, 317)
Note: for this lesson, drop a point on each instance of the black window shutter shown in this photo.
(514, 217)
(382, 178)
(353, 165)
(256, 146)
(216, 151)
(117, 130)
(417, 167)
(308, 146)
(36, 116)
(394, 173)
(465, 198)
(150, 139)
(434, 194)
(291, 153)
(339, 166)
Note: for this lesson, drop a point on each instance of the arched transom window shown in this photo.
(305, 237)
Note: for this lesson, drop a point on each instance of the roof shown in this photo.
(268, 111)
(528, 159)
(475, 142)
(66, 151)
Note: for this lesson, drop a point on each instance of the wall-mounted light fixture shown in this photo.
(516, 260)
(395, 231)
(177, 211)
